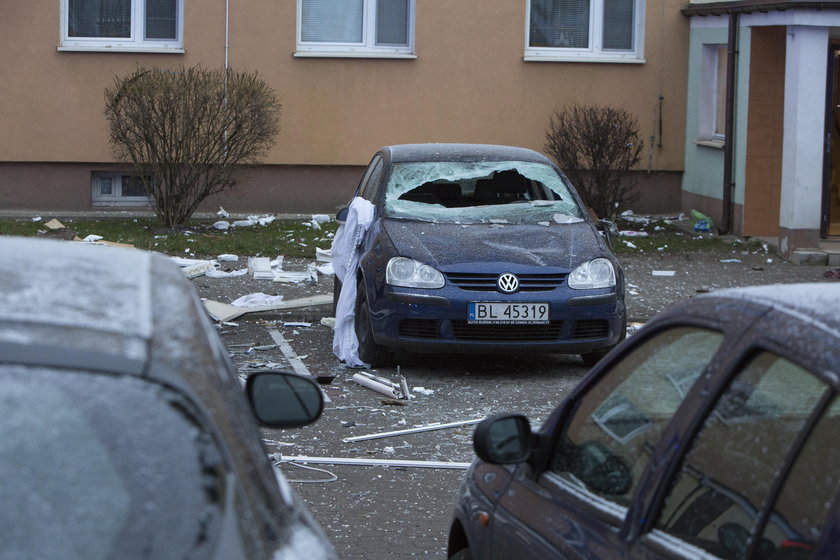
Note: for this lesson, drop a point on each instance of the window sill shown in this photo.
(123, 49)
(352, 54)
(710, 143)
(601, 59)
(122, 203)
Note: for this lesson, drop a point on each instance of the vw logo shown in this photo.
(507, 283)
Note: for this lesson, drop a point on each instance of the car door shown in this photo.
(600, 450)
(761, 474)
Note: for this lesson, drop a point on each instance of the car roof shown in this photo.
(460, 152)
(815, 302)
(99, 307)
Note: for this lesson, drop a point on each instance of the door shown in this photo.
(831, 174)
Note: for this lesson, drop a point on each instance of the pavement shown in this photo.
(384, 512)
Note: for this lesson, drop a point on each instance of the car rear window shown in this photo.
(97, 466)
(514, 192)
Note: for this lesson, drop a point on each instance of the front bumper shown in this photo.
(580, 321)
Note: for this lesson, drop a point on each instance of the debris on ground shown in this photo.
(225, 312)
(384, 386)
(258, 299)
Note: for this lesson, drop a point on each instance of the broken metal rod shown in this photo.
(424, 428)
(376, 462)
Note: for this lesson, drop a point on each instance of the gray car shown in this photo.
(126, 432)
(711, 433)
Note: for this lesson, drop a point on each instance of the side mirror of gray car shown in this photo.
(341, 216)
(503, 439)
(282, 399)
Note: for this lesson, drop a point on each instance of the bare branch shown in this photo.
(597, 146)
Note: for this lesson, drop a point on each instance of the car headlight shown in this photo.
(409, 273)
(597, 273)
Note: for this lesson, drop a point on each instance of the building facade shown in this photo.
(352, 75)
(762, 156)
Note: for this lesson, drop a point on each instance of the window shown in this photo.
(585, 30)
(122, 25)
(815, 473)
(118, 189)
(360, 28)
(712, 123)
(618, 422)
(724, 484)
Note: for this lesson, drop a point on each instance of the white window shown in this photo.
(585, 30)
(117, 189)
(712, 110)
(122, 25)
(355, 28)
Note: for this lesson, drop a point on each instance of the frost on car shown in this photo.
(127, 433)
(475, 248)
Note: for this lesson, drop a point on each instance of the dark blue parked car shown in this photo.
(712, 433)
(477, 248)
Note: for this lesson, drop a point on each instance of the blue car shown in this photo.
(711, 433)
(479, 248)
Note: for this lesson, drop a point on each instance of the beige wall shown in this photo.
(468, 83)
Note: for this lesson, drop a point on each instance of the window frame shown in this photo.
(367, 48)
(594, 52)
(115, 198)
(135, 43)
(712, 92)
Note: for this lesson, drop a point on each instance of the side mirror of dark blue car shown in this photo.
(503, 439)
(283, 399)
(341, 216)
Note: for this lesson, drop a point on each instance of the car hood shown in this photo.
(443, 245)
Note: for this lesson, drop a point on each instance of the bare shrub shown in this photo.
(185, 131)
(597, 146)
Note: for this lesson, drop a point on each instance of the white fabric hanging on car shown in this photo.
(346, 252)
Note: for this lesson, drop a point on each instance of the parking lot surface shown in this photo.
(376, 511)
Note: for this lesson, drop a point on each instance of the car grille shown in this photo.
(507, 333)
(419, 328)
(591, 328)
(483, 282)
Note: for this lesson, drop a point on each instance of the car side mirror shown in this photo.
(609, 229)
(503, 439)
(342, 214)
(282, 399)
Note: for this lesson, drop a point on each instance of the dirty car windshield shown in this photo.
(513, 192)
(95, 464)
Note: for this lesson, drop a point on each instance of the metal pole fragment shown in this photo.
(425, 428)
(376, 462)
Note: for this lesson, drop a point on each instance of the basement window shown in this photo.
(118, 189)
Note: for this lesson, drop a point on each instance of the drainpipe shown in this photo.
(227, 30)
(729, 131)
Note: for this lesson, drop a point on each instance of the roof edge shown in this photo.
(761, 6)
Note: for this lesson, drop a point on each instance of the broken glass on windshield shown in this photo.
(497, 192)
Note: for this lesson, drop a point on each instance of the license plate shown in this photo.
(496, 313)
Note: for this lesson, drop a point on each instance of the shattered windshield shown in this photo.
(514, 192)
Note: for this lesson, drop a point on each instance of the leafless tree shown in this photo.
(186, 131)
(597, 146)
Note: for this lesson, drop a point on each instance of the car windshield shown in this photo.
(504, 192)
(100, 467)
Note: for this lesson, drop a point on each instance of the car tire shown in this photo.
(463, 554)
(369, 351)
(336, 293)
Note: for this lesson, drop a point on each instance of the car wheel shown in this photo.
(336, 293)
(369, 351)
(463, 554)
